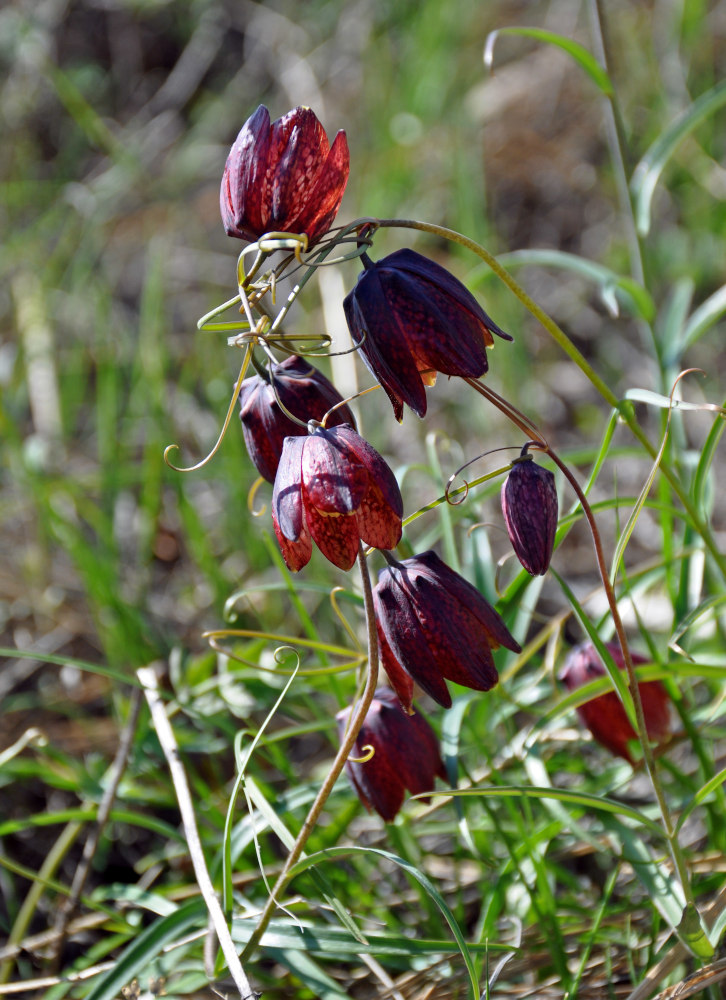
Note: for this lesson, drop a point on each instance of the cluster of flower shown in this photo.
(409, 319)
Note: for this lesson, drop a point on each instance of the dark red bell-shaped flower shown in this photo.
(410, 315)
(433, 626)
(405, 755)
(605, 716)
(529, 505)
(304, 391)
(283, 177)
(334, 489)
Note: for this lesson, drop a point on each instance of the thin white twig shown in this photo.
(147, 677)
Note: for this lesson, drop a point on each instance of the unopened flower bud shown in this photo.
(529, 505)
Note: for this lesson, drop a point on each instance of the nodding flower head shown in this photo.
(433, 626)
(405, 755)
(304, 391)
(529, 505)
(334, 489)
(411, 316)
(604, 715)
(283, 177)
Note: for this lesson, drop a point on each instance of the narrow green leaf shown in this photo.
(450, 732)
(617, 676)
(639, 503)
(327, 940)
(146, 947)
(672, 322)
(585, 59)
(708, 452)
(584, 799)
(663, 890)
(648, 171)
(701, 795)
(627, 292)
(665, 402)
(242, 763)
(300, 963)
(703, 318)
(288, 840)
(423, 881)
(63, 661)
(691, 618)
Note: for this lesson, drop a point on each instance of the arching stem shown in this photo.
(564, 342)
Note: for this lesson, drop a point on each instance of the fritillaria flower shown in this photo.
(605, 716)
(433, 626)
(529, 505)
(411, 316)
(334, 489)
(304, 391)
(405, 755)
(283, 177)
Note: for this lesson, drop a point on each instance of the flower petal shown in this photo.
(287, 503)
(308, 394)
(429, 271)
(378, 469)
(264, 426)
(295, 553)
(244, 173)
(401, 682)
(298, 148)
(497, 632)
(336, 535)
(401, 627)
(439, 333)
(335, 480)
(323, 201)
(378, 523)
(384, 347)
(454, 635)
(529, 506)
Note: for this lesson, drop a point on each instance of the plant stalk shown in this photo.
(338, 764)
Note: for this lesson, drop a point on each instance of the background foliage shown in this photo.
(117, 117)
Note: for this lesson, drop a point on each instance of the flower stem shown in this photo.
(676, 852)
(338, 764)
(524, 424)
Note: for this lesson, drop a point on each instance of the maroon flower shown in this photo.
(410, 315)
(529, 505)
(605, 716)
(283, 177)
(334, 488)
(405, 755)
(304, 391)
(432, 625)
